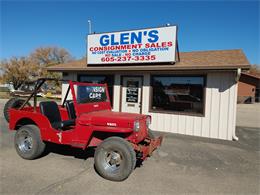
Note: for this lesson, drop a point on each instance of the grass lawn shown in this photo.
(4, 95)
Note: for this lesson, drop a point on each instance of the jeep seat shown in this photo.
(51, 110)
(70, 108)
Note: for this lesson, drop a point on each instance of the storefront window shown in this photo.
(178, 93)
(100, 79)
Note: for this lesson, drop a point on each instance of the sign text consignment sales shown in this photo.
(136, 46)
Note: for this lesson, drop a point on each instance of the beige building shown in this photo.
(195, 96)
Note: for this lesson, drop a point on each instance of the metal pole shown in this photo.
(89, 26)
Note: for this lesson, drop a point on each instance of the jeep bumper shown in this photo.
(146, 148)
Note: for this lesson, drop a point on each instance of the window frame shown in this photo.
(151, 110)
(100, 75)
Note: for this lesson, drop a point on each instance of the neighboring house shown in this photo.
(248, 88)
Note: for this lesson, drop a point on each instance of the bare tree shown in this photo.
(17, 70)
(48, 56)
(255, 69)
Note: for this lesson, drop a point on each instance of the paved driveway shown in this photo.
(248, 115)
(183, 164)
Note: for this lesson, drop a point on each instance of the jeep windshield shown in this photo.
(91, 94)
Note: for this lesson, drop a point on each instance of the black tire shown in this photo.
(13, 103)
(151, 134)
(28, 143)
(123, 154)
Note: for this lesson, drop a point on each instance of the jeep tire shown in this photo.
(12, 103)
(28, 143)
(115, 159)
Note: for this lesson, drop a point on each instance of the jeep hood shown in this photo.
(110, 118)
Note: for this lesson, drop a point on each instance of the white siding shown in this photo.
(70, 76)
(220, 110)
(117, 88)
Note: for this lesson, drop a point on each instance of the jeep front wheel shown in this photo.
(28, 143)
(115, 159)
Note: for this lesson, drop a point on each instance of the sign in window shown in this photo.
(132, 91)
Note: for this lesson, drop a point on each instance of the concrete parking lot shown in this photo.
(183, 165)
(248, 115)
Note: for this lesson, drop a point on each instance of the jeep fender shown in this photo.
(101, 134)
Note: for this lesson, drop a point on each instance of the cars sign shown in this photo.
(153, 45)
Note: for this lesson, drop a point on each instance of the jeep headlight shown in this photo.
(136, 126)
(148, 121)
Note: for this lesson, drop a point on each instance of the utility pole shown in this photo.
(89, 27)
(89, 32)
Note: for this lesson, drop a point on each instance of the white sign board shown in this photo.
(151, 45)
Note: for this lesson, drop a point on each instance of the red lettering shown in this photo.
(169, 44)
(163, 44)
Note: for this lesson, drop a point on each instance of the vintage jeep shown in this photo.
(85, 121)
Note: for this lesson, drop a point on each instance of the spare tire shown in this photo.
(13, 103)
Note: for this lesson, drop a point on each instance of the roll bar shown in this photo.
(38, 83)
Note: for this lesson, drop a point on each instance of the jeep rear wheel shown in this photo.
(13, 103)
(28, 143)
(115, 159)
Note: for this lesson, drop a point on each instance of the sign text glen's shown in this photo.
(138, 46)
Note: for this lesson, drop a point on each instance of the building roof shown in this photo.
(197, 60)
(256, 76)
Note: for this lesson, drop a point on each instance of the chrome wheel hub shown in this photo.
(25, 142)
(112, 161)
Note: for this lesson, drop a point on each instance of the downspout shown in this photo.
(238, 74)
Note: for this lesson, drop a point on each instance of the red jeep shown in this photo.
(86, 120)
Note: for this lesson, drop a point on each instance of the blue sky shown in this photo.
(203, 25)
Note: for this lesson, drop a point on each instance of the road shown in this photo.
(184, 164)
